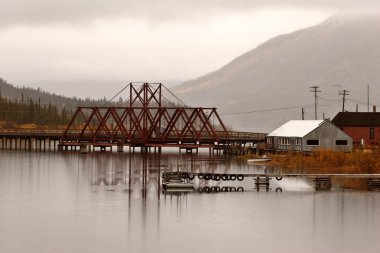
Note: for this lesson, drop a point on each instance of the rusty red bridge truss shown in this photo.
(148, 118)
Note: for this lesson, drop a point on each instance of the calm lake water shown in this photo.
(111, 202)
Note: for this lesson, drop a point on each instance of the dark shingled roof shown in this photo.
(368, 119)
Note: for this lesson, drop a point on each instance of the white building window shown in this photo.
(312, 143)
(341, 142)
(285, 141)
(298, 142)
(269, 140)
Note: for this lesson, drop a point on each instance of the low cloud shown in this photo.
(13, 12)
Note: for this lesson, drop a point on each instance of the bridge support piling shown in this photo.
(83, 149)
(120, 147)
(322, 183)
(29, 144)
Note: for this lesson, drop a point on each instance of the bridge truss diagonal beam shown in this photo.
(145, 121)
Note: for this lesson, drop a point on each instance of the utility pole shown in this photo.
(368, 97)
(315, 90)
(344, 93)
(303, 114)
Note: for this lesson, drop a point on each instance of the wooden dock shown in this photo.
(262, 180)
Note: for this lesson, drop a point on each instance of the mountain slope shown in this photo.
(13, 93)
(342, 52)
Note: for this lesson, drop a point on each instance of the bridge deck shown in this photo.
(77, 137)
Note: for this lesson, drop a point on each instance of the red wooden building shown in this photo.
(362, 127)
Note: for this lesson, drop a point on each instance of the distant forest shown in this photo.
(27, 107)
(13, 93)
(16, 113)
(22, 106)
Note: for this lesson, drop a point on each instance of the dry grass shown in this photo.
(9, 125)
(27, 126)
(328, 161)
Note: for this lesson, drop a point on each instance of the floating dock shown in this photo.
(262, 180)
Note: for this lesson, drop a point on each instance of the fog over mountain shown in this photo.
(253, 91)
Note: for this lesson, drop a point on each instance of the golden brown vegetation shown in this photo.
(360, 161)
(328, 161)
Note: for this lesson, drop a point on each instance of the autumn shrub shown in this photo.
(367, 162)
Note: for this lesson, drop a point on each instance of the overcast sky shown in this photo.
(48, 43)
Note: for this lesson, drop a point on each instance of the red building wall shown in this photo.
(358, 133)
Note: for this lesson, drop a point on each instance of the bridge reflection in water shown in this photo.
(140, 174)
(70, 202)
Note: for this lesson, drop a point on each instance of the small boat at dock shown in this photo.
(172, 181)
(178, 185)
(259, 159)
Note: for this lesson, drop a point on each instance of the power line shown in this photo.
(356, 101)
(278, 109)
(267, 110)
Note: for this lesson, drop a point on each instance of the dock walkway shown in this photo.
(322, 181)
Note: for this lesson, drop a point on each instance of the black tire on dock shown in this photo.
(216, 177)
(207, 189)
(201, 175)
(240, 189)
(278, 189)
(240, 177)
(215, 189)
(279, 178)
(191, 176)
(232, 177)
(207, 176)
(184, 175)
(233, 189)
(225, 177)
(225, 189)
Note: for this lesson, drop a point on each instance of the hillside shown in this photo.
(14, 93)
(341, 53)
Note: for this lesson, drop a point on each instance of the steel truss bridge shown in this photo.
(148, 118)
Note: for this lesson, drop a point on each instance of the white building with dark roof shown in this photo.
(308, 135)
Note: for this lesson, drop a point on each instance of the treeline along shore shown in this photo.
(26, 113)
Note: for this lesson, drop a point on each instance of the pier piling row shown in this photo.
(29, 143)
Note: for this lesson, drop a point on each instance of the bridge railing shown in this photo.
(220, 135)
(235, 135)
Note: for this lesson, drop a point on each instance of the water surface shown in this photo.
(111, 202)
